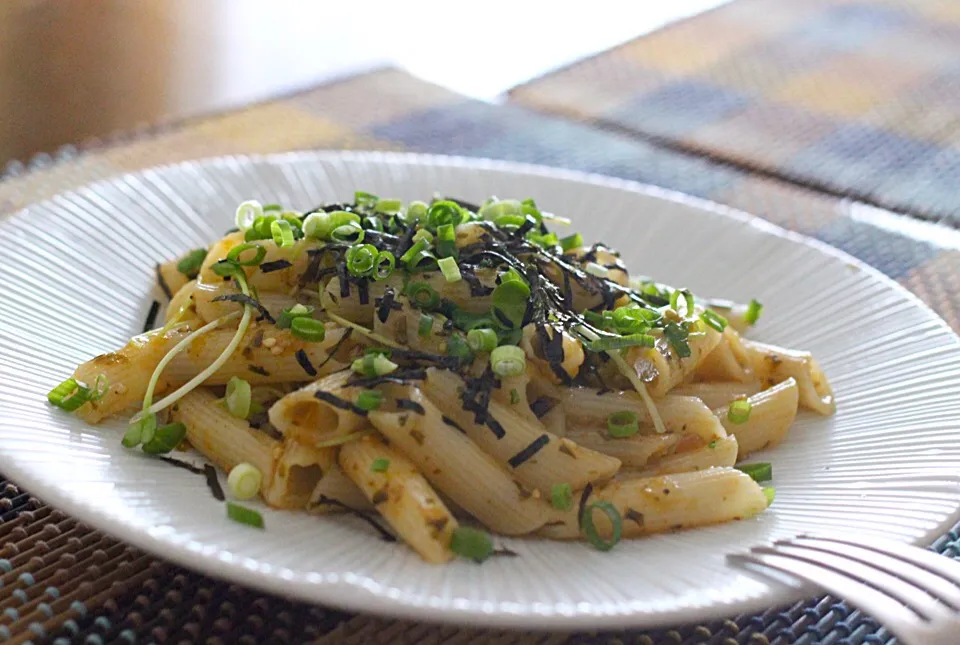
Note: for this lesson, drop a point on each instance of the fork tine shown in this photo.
(944, 567)
(934, 584)
(897, 618)
(900, 590)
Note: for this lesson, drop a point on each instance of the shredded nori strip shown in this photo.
(164, 287)
(213, 482)
(387, 303)
(385, 535)
(363, 291)
(541, 406)
(337, 402)
(477, 289)
(336, 348)
(151, 318)
(453, 424)
(305, 363)
(196, 470)
(634, 516)
(527, 453)
(476, 398)
(256, 369)
(244, 299)
(587, 491)
(344, 279)
(498, 431)
(504, 552)
(399, 377)
(407, 404)
(276, 265)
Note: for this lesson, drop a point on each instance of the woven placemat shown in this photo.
(856, 97)
(66, 583)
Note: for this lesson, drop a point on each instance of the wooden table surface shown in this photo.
(75, 69)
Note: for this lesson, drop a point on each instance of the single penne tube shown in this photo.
(459, 469)
(680, 414)
(772, 412)
(170, 278)
(535, 457)
(401, 495)
(126, 372)
(223, 438)
(716, 394)
(662, 368)
(772, 364)
(297, 470)
(727, 362)
(335, 492)
(658, 504)
(266, 354)
(633, 452)
(717, 453)
(273, 301)
(320, 411)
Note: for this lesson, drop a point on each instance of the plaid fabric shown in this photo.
(859, 98)
(387, 109)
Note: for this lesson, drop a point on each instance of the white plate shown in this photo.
(77, 278)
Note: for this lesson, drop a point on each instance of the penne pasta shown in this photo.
(321, 411)
(717, 453)
(716, 394)
(661, 367)
(728, 361)
(772, 364)
(772, 412)
(297, 471)
(336, 486)
(401, 495)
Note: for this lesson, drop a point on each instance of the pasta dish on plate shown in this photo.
(453, 370)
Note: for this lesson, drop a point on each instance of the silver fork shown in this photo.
(915, 593)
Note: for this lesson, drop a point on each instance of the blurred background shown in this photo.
(75, 69)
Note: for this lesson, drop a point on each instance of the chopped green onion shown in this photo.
(237, 398)
(496, 209)
(260, 229)
(608, 343)
(247, 214)
(369, 400)
(444, 212)
(623, 424)
(571, 242)
(361, 259)
(509, 299)
(189, 265)
(677, 336)
(471, 543)
(596, 270)
(425, 326)
(165, 439)
(510, 221)
(561, 497)
(373, 365)
(69, 395)
(423, 234)
(759, 472)
(446, 241)
(282, 233)
(259, 254)
(380, 465)
(389, 206)
(590, 529)
(226, 268)
(272, 207)
(244, 481)
(362, 198)
(422, 295)
(752, 315)
(628, 320)
(289, 313)
(449, 269)
(417, 211)
(687, 299)
(384, 266)
(372, 223)
(351, 232)
(460, 349)
(244, 515)
(140, 430)
(769, 492)
(545, 241)
(317, 225)
(419, 246)
(739, 411)
(714, 320)
(508, 360)
(482, 340)
(514, 396)
(308, 329)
